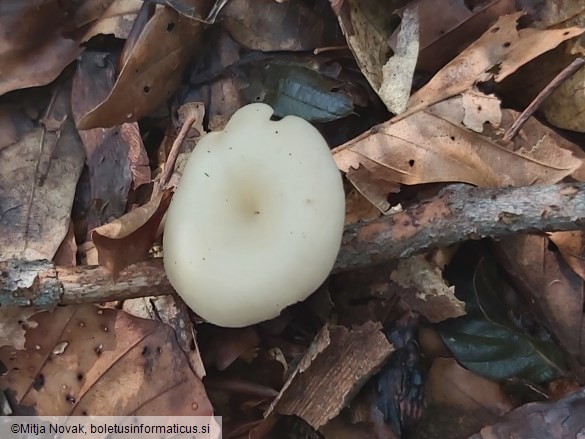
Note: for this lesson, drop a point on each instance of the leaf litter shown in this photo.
(410, 96)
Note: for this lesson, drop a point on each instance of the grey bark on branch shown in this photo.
(457, 214)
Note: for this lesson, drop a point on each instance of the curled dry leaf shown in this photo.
(424, 148)
(82, 360)
(152, 71)
(129, 238)
(501, 46)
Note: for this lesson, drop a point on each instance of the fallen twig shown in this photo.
(457, 214)
(565, 74)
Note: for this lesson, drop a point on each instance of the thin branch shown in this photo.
(567, 72)
(457, 214)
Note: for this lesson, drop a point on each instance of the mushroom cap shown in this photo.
(256, 222)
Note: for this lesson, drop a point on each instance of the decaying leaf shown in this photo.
(129, 238)
(38, 176)
(82, 360)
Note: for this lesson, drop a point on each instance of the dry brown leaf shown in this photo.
(424, 290)
(424, 148)
(358, 208)
(448, 27)
(564, 108)
(116, 20)
(66, 255)
(38, 176)
(34, 54)
(14, 322)
(268, 25)
(554, 420)
(226, 345)
(452, 385)
(471, 109)
(116, 157)
(503, 46)
(572, 248)
(88, 361)
(129, 238)
(556, 292)
(152, 71)
(375, 190)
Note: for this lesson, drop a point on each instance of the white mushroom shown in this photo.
(256, 222)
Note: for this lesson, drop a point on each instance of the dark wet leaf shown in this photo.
(296, 90)
(488, 342)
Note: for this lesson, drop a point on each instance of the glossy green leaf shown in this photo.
(488, 342)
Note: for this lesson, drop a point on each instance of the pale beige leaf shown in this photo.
(397, 73)
(364, 24)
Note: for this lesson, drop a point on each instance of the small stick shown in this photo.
(569, 71)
